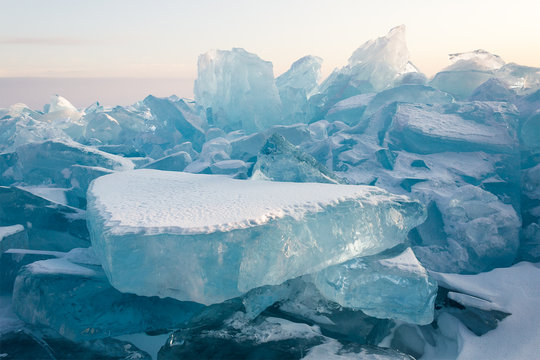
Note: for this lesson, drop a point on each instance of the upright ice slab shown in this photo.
(210, 238)
(304, 74)
(295, 87)
(374, 66)
(382, 60)
(238, 90)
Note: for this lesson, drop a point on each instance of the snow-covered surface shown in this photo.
(352, 102)
(60, 103)
(57, 195)
(59, 266)
(451, 127)
(515, 290)
(334, 350)
(147, 343)
(149, 201)
(480, 60)
(6, 231)
(36, 252)
(119, 162)
(406, 262)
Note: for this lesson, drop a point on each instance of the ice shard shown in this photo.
(50, 161)
(49, 226)
(395, 287)
(19, 125)
(295, 87)
(12, 237)
(304, 74)
(210, 238)
(238, 90)
(62, 114)
(174, 162)
(373, 67)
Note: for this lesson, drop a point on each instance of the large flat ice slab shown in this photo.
(209, 238)
(424, 129)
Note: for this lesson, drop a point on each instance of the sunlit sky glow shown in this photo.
(162, 39)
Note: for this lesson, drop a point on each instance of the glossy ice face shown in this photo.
(237, 90)
(394, 287)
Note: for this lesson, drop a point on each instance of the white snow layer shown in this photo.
(150, 201)
(515, 290)
(6, 231)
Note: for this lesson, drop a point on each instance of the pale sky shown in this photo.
(162, 38)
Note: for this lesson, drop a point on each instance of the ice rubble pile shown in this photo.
(283, 217)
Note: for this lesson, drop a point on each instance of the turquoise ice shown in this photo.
(208, 238)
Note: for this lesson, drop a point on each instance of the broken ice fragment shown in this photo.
(295, 86)
(50, 226)
(238, 90)
(72, 295)
(279, 160)
(396, 287)
(12, 237)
